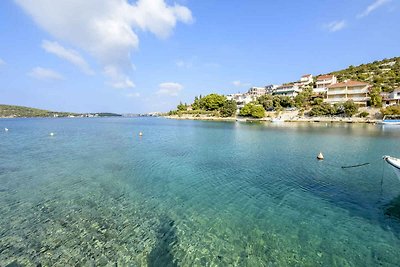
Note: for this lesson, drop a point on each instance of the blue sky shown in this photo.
(147, 55)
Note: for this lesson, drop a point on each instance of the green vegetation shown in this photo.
(252, 110)
(376, 98)
(347, 109)
(391, 110)
(212, 102)
(211, 105)
(275, 102)
(363, 114)
(382, 75)
(228, 109)
(11, 111)
(304, 98)
(19, 111)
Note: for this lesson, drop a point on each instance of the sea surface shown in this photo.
(196, 193)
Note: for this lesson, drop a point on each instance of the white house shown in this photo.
(323, 82)
(392, 99)
(306, 79)
(290, 90)
(257, 91)
(348, 90)
(269, 89)
(241, 99)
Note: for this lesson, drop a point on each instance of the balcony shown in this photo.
(337, 92)
(360, 99)
(347, 92)
(336, 100)
(359, 91)
(344, 99)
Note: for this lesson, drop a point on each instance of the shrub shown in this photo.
(391, 110)
(363, 114)
(253, 110)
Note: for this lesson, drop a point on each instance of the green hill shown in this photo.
(383, 74)
(19, 111)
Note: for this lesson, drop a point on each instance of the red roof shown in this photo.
(324, 77)
(348, 84)
(306, 75)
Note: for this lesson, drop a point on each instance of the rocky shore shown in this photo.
(288, 116)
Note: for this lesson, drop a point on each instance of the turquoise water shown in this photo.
(194, 193)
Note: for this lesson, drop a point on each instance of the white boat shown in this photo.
(391, 120)
(395, 163)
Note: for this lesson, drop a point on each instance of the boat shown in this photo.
(395, 163)
(391, 120)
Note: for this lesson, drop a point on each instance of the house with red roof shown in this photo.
(323, 82)
(356, 91)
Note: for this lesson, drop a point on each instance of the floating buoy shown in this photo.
(51, 134)
(140, 134)
(6, 129)
(320, 156)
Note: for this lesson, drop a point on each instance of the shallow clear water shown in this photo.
(193, 193)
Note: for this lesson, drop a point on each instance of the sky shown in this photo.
(148, 55)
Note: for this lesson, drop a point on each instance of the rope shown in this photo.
(355, 166)
(352, 166)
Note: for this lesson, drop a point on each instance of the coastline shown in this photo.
(269, 119)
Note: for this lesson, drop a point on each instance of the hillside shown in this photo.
(10, 111)
(20, 111)
(384, 74)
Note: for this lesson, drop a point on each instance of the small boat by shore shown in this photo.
(395, 163)
(391, 120)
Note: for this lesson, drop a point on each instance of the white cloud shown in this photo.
(133, 95)
(375, 5)
(169, 89)
(118, 79)
(106, 28)
(68, 54)
(45, 74)
(335, 26)
(240, 84)
(2, 62)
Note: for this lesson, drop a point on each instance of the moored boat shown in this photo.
(395, 163)
(391, 120)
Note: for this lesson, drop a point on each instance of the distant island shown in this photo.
(12, 111)
(363, 93)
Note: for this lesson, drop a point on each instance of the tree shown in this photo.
(246, 110)
(196, 103)
(181, 107)
(257, 111)
(350, 108)
(286, 102)
(376, 98)
(228, 109)
(323, 109)
(212, 102)
(317, 101)
(253, 110)
(303, 99)
(391, 110)
(266, 101)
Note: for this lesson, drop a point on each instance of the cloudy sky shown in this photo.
(147, 55)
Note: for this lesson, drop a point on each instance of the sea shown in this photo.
(197, 193)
